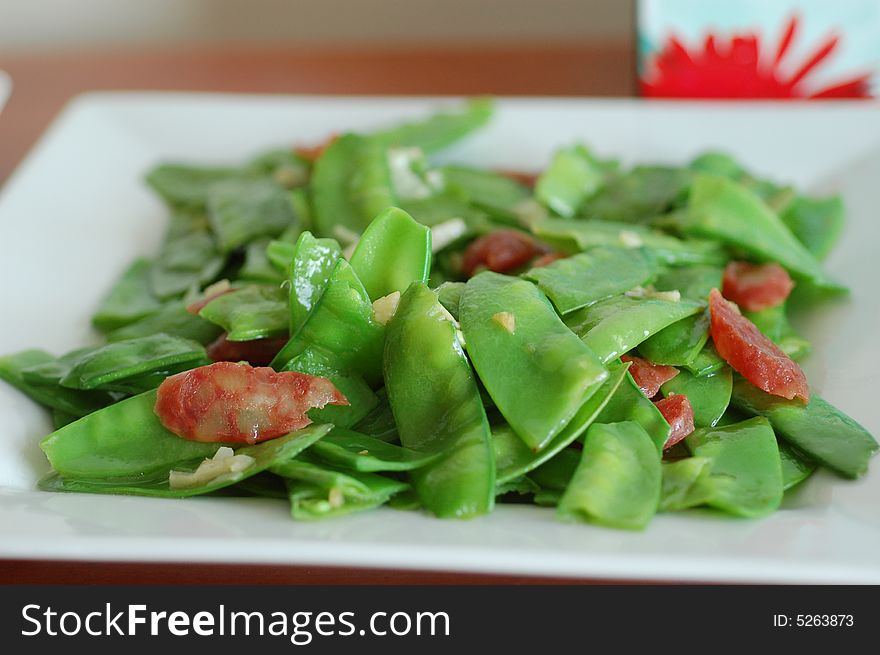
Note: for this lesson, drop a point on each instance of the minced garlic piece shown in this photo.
(221, 286)
(630, 239)
(223, 466)
(446, 233)
(506, 320)
(385, 307)
(336, 498)
(650, 292)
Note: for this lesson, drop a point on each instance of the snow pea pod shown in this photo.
(350, 185)
(357, 485)
(393, 251)
(680, 343)
(581, 280)
(572, 176)
(617, 482)
(341, 327)
(123, 439)
(440, 130)
(130, 299)
(693, 282)
(513, 335)
(437, 408)
(379, 423)
(189, 257)
(72, 402)
(796, 467)
(720, 208)
(118, 362)
(51, 372)
(513, 458)
(745, 477)
(186, 186)
(638, 195)
(706, 362)
(628, 403)
(311, 502)
(818, 429)
(816, 222)
(556, 473)
(497, 194)
(615, 326)
(242, 210)
(257, 266)
(360, 452)
(310, 269)
(578, 235)
(685, 484)
(156, 482)
(709, 395)
(253, 312)
(172, 318)
(361, 399)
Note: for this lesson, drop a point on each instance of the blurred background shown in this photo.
(34, 25)
(766, 49)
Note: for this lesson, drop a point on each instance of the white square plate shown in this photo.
(77, 212)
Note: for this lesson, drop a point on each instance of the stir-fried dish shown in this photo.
(351, 324)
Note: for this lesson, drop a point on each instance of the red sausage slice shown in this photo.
(752, 354)
(500, 251)
(649, 376)
(679, 414)
(237, 403)
(756, 286)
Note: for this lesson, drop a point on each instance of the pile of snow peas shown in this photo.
(350, 324)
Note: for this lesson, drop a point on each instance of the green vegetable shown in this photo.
(172, 318)
(124, 439)
(709, 395)
(187, 186)
(613, 327)
(242, 210)
(310, 269)
(71, 402)
(393, 251)
(628, 403)
(722, 209)
(583, 279)
(130, 299)
(638, 195)
(686, 484)
(513, 334)
(818, 429)
(253, 312)
(617, 482)
(440, 412)
(156, 482)
(118, 362)
(513, 458)
(340, 328)
(746, 475)
(795, 466)
(360, 452)
(680, 343)
(188, 258)
(440, 130)
(572, 177)
(579, 235)
(816, 222)
(350, 185)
